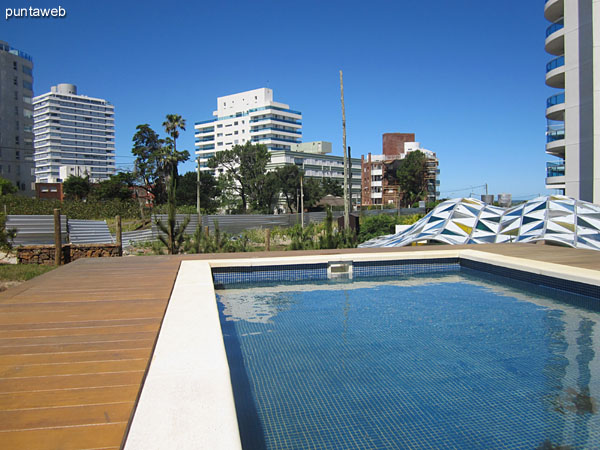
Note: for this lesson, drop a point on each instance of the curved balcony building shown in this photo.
(573, 113)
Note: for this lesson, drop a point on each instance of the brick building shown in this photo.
(377, 189)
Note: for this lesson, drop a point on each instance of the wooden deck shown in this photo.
(75, 343)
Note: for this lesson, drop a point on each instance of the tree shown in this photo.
(266, 194)
(209, 191)
(118, 186)
(6, 187)
(245, 169)
(77, 188)
(168, 162)
(411, 177)
(149, 172)
(288, 183)
(172, 125)
(332, 187)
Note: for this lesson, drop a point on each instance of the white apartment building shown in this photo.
(73, 130)
(573, 114)
(314, 160)
(250, 116)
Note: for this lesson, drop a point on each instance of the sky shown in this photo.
(467, 77)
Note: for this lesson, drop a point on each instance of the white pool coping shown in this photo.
(187, 399)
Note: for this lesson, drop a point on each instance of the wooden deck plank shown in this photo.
(64, 438)
(73, 368)
(59, 340)
(72, 397)
(79, 331)
(56, 382)
(82, 324)
(64, 416)
(76, 357)
(79, 347)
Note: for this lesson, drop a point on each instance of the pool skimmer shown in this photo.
(339, 269)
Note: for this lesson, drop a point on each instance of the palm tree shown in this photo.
(172, 125)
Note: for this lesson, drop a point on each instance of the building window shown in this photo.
(17, 140)
(15, 81)
(15, 65)
(27, 71)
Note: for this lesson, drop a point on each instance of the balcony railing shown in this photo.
(283, 130)
(555, 132)
(555, 27)
(556, 62)
(555, 169)
(555, 100)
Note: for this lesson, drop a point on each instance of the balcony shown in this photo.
(555, 73)
(555, 38)
(554, 10)
(555, 174)
(555, 107)
(555, 139)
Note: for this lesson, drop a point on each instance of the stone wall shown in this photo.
(95, 251)
(44, 254)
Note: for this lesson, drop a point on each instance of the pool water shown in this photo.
(443, 361)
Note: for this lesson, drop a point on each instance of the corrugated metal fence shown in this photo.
(39, 230)
(35, 230)
(237, 223)
(89, 232)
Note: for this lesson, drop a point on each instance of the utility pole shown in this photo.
(301, 202)
(198, 191)
(350, 179)
(346, 205)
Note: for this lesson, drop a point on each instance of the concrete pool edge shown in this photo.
(187, 400)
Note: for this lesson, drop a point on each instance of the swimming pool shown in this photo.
(448, 360)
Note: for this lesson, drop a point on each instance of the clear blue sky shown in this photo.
(466, 76)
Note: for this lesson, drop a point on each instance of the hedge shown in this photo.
(92, 209)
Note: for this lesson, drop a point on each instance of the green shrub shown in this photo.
(382, 224)
(73, 209)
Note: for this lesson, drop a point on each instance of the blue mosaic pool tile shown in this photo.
(223, 276)
(367, 269)
(452, 363)
(574, 287)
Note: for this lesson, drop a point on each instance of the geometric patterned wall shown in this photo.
(556, 219)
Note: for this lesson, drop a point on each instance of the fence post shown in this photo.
(119, 236)
(57, 238)
(268, 240)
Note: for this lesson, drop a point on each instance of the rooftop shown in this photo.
(76, 343)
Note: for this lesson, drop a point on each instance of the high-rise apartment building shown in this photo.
(380, 189)
(573, 113)
(74, 135)
(250, 116)
(16, 118)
